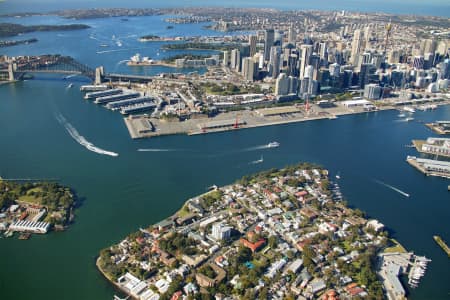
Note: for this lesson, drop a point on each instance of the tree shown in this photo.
(272, 241)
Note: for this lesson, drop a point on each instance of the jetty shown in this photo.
(442, 244)
(440, 127)
(430, 167)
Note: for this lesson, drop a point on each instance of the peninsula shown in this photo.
(12, 29)
(34, 207)
(283, 232)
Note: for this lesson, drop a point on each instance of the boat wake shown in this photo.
(255, 162)
(392, 188)
(123, 61)
(154, 150)
(119, 50)
(261, 147)
(81, 139)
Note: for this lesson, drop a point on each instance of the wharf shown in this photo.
(438, 129)
(442, 244)
(412, 160)
(246, 119)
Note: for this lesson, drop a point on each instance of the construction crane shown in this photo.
(236, 123)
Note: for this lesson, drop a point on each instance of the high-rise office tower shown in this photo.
(252, 41)
(282, 85)
(274, 63)
(291, 35)
(418, 62)
(226, 58)
(269, 38)
(249, 68)
(235, 59)
(367, 36)
(356, 46)
(306, 53)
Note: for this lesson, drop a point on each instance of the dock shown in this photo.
(430, 167)
(440, 127)
(442, 244)
(433, 146)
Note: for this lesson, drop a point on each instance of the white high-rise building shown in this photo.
(235, 59)
(282, 85)
(221, 232)
(306, 53)
(357, 45)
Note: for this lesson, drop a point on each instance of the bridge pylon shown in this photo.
(99, 75)
(11, 76)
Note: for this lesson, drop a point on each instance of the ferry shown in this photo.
(409, 109)
(273, 145)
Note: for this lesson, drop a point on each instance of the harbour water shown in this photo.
(122, 193)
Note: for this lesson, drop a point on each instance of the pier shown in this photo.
(430, 167)
(440, 127)
(442, 244)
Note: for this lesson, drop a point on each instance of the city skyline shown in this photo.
(433, 7)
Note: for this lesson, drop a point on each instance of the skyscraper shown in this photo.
(291, 35)
(282, 85)
(252, 41)
(274, 63)
(226, 58)
(249, 68)
(269, 38)
(356, 46)
(235, 59)
(306, 53)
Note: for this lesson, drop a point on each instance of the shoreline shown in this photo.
(397, 249)
(248, 119)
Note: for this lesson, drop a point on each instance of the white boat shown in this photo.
(402, 115)
(273, 145)
(70, 85)
(409, 109)
(409, 119)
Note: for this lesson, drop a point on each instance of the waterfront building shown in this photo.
(269, 39)
(438, 146)
(372, 91)
(282, 85)
(30, 226)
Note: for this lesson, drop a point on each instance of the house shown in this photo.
(253, 246)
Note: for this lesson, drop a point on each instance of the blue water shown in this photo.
(135, 189)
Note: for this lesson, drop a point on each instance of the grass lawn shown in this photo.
(395, 248)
